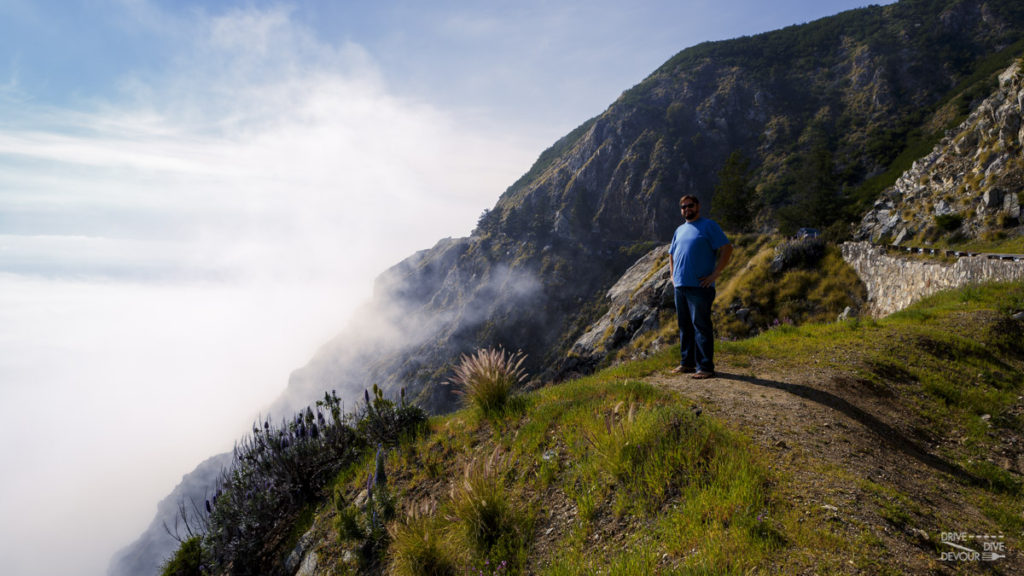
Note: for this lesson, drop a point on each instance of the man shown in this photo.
(697, 256)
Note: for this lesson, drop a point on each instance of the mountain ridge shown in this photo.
(876, 439)
(604, 194)
(533, 273)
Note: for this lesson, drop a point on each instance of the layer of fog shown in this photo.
(168, 258)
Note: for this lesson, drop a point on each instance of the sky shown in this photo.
(195, 195)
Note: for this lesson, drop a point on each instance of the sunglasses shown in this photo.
(686, 206)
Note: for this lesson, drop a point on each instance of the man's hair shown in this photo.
(689, 197)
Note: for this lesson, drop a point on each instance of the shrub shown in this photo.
(948, 222)
(280, 470)
(488, 378)
(385, 422)
(187, 560)
(798, 253)
(276, 471)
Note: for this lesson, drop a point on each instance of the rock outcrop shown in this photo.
(543, 258)
(605, 194)
(969, 186)
(636, 305)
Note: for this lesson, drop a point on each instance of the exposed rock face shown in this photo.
(559, 238)
(604, 194)
(635, 303)
(970, 184)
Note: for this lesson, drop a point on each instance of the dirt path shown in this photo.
(848, 455)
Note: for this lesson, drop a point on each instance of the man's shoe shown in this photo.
(683, 369)
(703, 375)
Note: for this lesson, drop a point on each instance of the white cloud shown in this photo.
(166, 259)
(265, 140)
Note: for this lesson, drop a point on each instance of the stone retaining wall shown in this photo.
(894, 282)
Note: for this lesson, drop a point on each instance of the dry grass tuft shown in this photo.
(488, 378)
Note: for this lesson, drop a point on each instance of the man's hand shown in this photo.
(724, 255)
(710, 279)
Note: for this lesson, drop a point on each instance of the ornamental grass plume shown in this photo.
(488, 378)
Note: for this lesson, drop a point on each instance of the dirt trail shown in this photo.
(848, 455)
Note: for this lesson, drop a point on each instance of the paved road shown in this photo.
(954, 253)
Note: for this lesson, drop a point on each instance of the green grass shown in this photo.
(488, 378)
(608, 472)
(798, 295)
(491, 518)
(620, 451)
(422, 548)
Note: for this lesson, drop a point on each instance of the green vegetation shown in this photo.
(815, 199)
(784, 282)
(279, 472)
(735, 203)
(948, 222)
(385, 422)
(993, 245)
(276, 472)
(187, 560)
(490, 519)
(608, 451)
(488, 378)
(364, 523)
(610, 472)
(954, 359)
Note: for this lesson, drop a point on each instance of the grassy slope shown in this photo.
(620, 473)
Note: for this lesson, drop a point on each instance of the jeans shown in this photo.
(696, 334)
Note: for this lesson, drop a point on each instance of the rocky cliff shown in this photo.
(637, 306)
(971, 184)
(818, 109)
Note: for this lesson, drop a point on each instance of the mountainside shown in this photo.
(825, 113)
(156, 544)
(818, 110)
(893, 446)
(969, 187)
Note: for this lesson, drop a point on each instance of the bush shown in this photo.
(799, 253)
(187, 560)
(948, 222)
(488, 378)
(280, 470)
(276, 472)
(385, 422)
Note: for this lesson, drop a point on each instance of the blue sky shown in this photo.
(195, 195)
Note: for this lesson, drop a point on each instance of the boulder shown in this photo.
(634, 304)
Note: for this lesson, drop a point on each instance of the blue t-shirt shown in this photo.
(693, 251)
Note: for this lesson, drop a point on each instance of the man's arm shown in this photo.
(724, 255)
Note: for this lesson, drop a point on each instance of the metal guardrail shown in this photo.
(953, 253)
